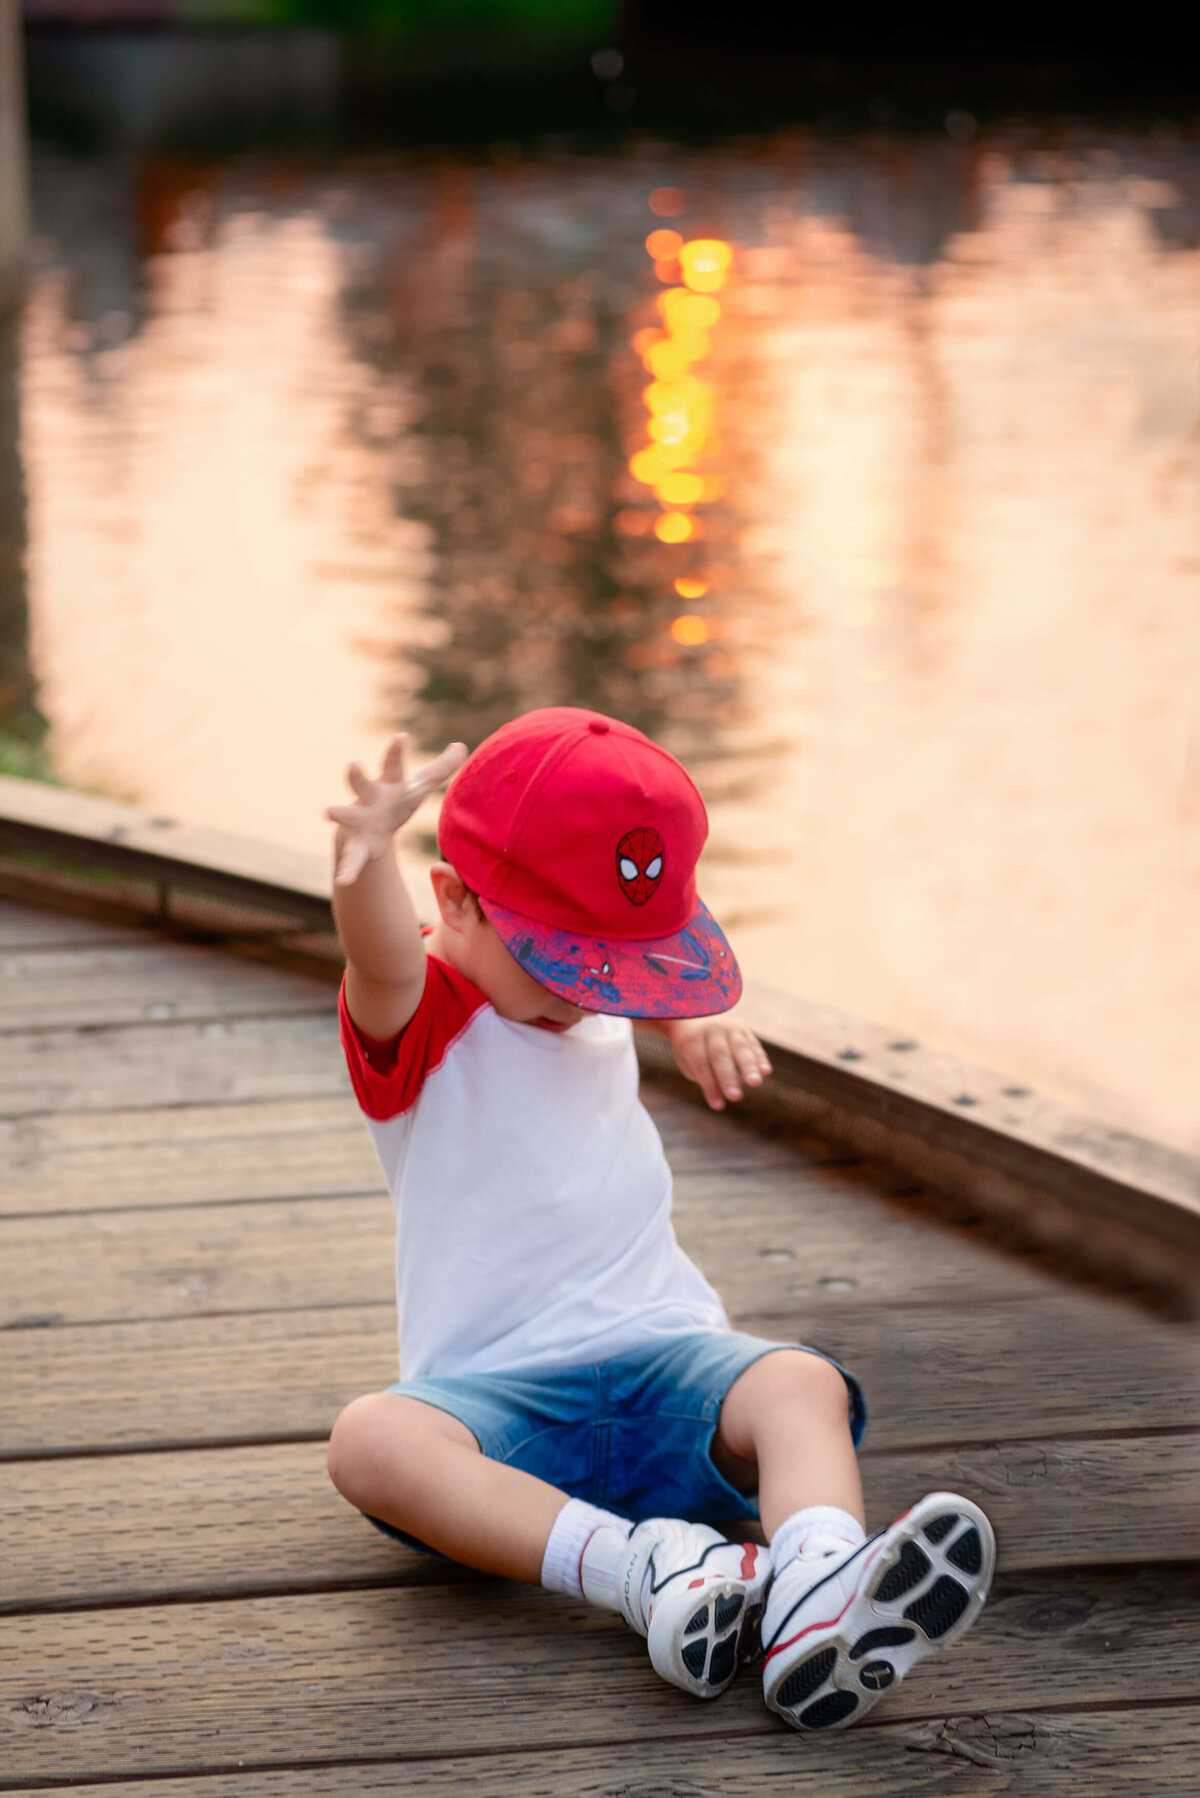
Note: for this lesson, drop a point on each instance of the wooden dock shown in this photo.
(195, 1274)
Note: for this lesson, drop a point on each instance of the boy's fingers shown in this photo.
(692, 1062)
(358, 782)
(393, 761)
(751, 1059)
(441, 767)
(725, 1067)
(709, 1086)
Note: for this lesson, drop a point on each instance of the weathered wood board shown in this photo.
(934, 1374)
(775, 1239)
(1007, 1754)
(25, 927)
(151, 1155)
(100, 1530)
(407, 1672)
(113, 984)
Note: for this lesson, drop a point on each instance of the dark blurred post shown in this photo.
(20, 723)
(14, 205)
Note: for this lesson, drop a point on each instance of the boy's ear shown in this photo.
(455, 902)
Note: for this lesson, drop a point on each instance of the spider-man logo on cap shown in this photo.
(640, 864)
(580, 837)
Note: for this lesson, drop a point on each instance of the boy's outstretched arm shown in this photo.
(722, 1056)
(385, 958)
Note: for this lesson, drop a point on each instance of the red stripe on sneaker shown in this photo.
(828, 1622)
(749, 1561)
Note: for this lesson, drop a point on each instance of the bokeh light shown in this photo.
(681, 489)
(681, 405)
(668, 202)
(684, 311)
(664, 246)
(690, 586)
(689, 629)
(669, 359)
(705, 263)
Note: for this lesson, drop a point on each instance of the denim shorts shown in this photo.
(632, 1435)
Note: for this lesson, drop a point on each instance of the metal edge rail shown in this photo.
(1103, 1197)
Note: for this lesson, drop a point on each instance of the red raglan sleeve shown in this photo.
(387, 1077)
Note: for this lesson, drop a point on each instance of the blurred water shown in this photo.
(313, 453)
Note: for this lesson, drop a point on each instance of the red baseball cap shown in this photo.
(580, 837)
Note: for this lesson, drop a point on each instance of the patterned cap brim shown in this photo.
(691, 974)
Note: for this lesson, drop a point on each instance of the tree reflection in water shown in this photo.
(21, 724)
(513, 323)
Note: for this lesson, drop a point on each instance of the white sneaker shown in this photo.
(696, 1597)
(839, 1632)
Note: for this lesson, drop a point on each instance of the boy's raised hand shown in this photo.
(722, 1056)
(385, 804)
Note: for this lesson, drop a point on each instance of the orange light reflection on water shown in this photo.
(668, 202)
(682, 405)
(663, 246)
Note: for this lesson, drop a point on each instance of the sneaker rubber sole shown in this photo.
(699, 1639)
(921, 1585)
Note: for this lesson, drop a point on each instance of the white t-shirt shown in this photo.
(533, 1198)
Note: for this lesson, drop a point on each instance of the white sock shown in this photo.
(604, 1554)
(814, 1532)
(581, 1554)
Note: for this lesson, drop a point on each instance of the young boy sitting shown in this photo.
(573, 1397)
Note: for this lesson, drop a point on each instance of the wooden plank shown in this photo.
(239, 1520)
(199, 1522)
(803, 1244)
(131, 1066)
(934, 1375)
(24, 927)
(287, 1254)
(176, 1155)
(774, 1239)
(236, 1059)
(405, 1672)
(699, 1140)
(168, 1155)
(1059, 1504)
(1023, 1754)
(146, 979)
(87, 830)
(215, 1379)
(985, 1116)
(976, 1374)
